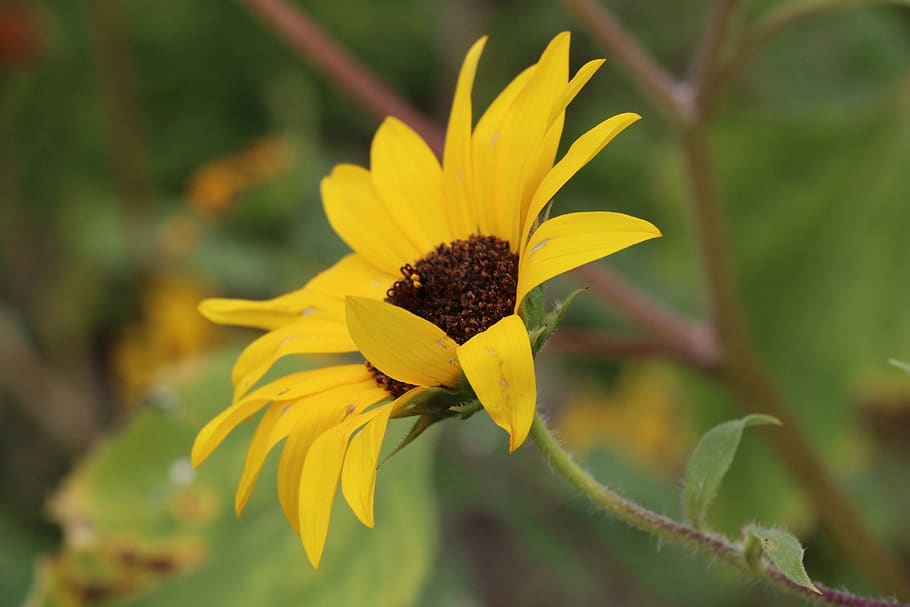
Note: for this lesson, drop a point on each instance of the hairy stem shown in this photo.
(660, 526)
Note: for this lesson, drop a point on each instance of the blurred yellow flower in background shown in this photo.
(433, 295)
(168, 330)
(640, 417)
(214, 186)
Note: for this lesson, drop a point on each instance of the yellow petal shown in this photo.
(580, 153)
(272, 313)
(457, 171)
(358, 475)
(290, 387)
(281, 418)
(408, 178)
(306, 336)
(305, 422)
(401, 344)
(357, 214)
(523, 129)
(323, 296)
(568, 241)
(260, 446)
(541, 161)
(484, 148)
(353, 275)
(319, 482)
(538, 165)
(580, 79)
(500, 368)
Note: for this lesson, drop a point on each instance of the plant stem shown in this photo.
(703, 67)
(779, 19)
(340, 66)
(660, 526)
(691, 341)
(601, 343)
(749, 382)
(742, 371)
(671, 96)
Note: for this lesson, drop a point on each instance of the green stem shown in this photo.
(747, 379)
(715, 545)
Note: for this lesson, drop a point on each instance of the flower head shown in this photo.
(435, 294)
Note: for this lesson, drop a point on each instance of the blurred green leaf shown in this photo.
(709, 463)
(786, 553)
(143, 528)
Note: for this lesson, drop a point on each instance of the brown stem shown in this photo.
(702, 70)
(690, 341)
(748, 381)
(671, 96)
(777, 20)
(571, 341)
(351, 76)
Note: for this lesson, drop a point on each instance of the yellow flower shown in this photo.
(433, 295)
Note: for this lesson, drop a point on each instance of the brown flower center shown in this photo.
(463, 288)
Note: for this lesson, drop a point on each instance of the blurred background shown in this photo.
(155, 153)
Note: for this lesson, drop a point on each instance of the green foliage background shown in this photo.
(812, 145)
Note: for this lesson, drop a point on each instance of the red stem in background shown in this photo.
(339, 66)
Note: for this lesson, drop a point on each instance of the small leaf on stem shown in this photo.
(786, 553)
(709, 463)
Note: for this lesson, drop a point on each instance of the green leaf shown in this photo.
(709, 463)
(143, 529)
(900, 364)
(786, 553)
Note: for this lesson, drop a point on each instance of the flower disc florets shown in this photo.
(463, 288)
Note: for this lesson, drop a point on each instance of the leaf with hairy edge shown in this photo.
(709, 463)
(786, 553)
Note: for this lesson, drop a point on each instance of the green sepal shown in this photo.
(710, 462)
(785, 552)
(541, 335)
(466, 410)
(431, 400)
(420, 426)
(532, 310)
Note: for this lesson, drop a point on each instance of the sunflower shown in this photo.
(440, 295)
